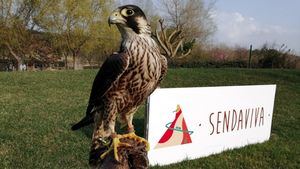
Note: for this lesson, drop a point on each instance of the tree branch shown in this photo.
(170, 44)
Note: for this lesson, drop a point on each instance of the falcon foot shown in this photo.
(126, 141)
(139, 141)
(114, 147)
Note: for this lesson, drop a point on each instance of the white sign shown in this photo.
(188, 123)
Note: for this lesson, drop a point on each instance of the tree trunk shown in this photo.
(76, 63)
(17, 58)
(133, 156)
(74, 60)
(66, 61)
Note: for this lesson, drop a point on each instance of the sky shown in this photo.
(245, 22)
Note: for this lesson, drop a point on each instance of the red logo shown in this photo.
(177, 132)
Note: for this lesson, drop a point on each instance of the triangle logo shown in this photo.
(177, 132)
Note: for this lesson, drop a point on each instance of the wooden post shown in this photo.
(250, 55)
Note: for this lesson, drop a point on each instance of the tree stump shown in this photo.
(134, 157)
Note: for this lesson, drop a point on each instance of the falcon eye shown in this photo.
(129, 12)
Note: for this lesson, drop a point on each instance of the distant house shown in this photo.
(31, 64)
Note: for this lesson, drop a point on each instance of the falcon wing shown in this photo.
(164, 68)
(113, 67)
(163, 71)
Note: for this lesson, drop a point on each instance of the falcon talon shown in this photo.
(139, 139)
(114, 147)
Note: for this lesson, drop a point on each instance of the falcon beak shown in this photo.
(116, 18)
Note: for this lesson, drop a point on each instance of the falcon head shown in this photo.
(130, 19)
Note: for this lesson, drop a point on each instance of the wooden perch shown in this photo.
(134, 157)
(170, 44)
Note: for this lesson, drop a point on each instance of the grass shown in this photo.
(38, 108)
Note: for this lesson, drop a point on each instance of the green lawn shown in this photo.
(38, 108)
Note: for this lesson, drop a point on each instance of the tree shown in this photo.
(192, 17)
(17, 23)
(269, 56)
(171, 41)
(188, 22)
(77, 25)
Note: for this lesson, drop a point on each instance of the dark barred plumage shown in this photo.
(126, 78)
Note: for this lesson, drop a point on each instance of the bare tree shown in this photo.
(192, 17)
(171, 42)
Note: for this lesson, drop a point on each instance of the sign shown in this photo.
(188, 123)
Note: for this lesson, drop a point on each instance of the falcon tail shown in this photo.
(88, 119)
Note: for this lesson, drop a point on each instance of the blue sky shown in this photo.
(245, 22)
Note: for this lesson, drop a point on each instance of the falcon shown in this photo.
(125, 79)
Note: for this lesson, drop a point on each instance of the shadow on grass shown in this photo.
(87, 130)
